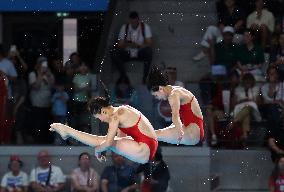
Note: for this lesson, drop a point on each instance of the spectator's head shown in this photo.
(15, 163)
(99, 107)
(172, 74)
(281, 40)
(134, 19)
(248, 81)
(13, 52)
(229, 3)
(83, 69)
(249, 37)
(69, 70)
(259, 4)
(44, 67)
(228, 34)
(84, 161)
(117, 160)
(157, 82)
(75, 58)
(122, 86)
(41, 64)
(273, 74)
(43, 159)
(57, 64)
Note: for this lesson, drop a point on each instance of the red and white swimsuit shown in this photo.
(187, 116)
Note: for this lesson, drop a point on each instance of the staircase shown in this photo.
(177, 27)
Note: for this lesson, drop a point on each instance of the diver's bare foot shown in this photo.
(61, 129)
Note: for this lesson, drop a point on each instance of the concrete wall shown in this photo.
(242, 170)
(189, 166)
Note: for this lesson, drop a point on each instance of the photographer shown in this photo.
(134, 43)
(41, 81)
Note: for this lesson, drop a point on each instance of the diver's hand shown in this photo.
(100, 156)
(61, 129)
(181, 134)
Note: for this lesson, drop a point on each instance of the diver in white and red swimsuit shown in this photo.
(187, 127)
(130, 134)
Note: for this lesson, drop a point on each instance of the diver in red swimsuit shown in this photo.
(187, 127)
(130, 134)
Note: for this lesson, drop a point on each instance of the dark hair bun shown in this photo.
(156, 78)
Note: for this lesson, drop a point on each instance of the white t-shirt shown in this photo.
(40, 175)
(252, 93)
(9, 180)
(39, 97)
(278, 96)
(135, 35)
(266, 18)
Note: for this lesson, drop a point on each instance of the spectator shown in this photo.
(276, 143)
(19, 63)
(215, 110)
(84, 178)
(123, 91)
(261, 20)
(134, 43)
(58, 70)
(46, 177)
(19, 92)
(225, 53)
(245, 101)
(251, 56)
(277, 7)
(15, 180)
(156, 175)
(273, 96)
(118, 177)
(59, 108)
(41, 81)
(232, 15)
(276, 179)
(224, 57)
(8, 68)
(81, 95)
(75, 60)
(277, 57)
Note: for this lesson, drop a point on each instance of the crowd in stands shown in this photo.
(120, 176)
(244, 49)
(33, 96)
